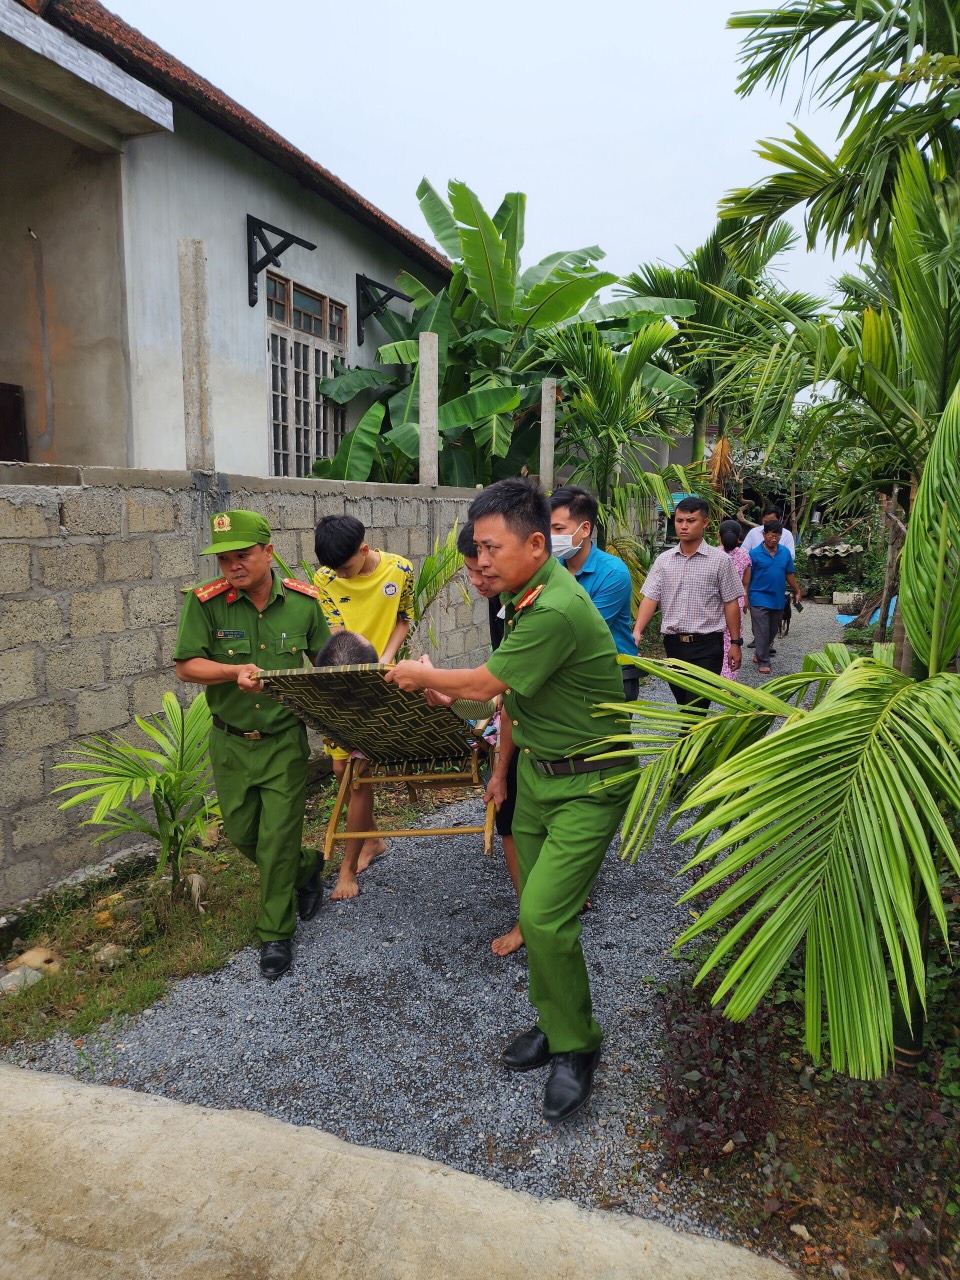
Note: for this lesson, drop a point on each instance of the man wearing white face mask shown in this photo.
(605, 578)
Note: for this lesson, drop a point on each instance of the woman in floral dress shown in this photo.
(731, 535)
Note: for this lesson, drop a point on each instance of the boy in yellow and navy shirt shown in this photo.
(370, 592)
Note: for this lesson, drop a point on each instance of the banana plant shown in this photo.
(824, 805)
(492, 321)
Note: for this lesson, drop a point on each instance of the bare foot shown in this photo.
(507, 943)
(372, 849)
(346, 887)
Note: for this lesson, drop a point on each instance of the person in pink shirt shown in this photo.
(731, 534)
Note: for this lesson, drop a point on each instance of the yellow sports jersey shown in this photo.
(372, 604)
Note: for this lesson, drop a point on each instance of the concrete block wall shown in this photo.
(92, 564)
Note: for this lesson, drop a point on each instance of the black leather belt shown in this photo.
(582, 764)
(693, 635)
(253, 736)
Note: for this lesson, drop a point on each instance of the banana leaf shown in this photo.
(354, 459)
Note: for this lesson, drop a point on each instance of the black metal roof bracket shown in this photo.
(370, 303)
(256, 240)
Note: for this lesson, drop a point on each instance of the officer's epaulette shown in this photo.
(528, 598)
(296, 585)
(211, 589)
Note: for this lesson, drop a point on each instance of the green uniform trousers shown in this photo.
(262, 788)
(562, 829)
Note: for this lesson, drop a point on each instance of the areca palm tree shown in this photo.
(615, 413)
(886, 362)
(491, 320)
(827, 804)
(892, 66)
(711, 276)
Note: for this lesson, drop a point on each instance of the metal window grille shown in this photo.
(301, 346)
(331, 418)
(279, 407)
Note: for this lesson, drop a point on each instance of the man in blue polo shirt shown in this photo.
(605, 578)
(765, 582)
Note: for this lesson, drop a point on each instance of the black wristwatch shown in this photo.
(739, 642)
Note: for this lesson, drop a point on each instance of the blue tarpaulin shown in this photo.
(846, 618)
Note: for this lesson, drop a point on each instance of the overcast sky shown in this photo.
(618, 119)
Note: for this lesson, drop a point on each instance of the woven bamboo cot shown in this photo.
(401, 737)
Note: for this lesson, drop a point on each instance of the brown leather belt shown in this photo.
(253, 736)
(582, 764)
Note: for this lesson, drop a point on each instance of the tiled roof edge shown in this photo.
(96, 27)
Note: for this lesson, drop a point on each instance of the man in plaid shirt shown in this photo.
(697, 589)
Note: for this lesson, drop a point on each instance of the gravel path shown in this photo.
(388, 1031)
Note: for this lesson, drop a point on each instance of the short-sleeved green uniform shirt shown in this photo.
(558, 660)
(223, 624)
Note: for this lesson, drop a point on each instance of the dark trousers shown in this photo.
(766, 624)
(631, 684)
(701, 651)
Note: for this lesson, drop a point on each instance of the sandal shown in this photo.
(764, 671)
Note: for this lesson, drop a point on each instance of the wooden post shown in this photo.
(429, 395)
(548, 430)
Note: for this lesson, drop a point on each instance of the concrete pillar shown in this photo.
(548, 430)
(429, 396)
(195, 346)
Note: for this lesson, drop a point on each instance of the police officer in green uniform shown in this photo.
(557, 661)
(244, 621)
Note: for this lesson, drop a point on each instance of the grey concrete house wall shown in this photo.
(65, 115)
(127, 182)
(198, 183)
(92, 566)
(64, 328)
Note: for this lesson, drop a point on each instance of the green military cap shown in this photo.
(234, 530)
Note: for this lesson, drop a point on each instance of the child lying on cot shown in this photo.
(347, 649)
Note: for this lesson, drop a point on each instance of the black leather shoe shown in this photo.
(310, 895)
(527, 1052)
(569, 1084)
(276, 958)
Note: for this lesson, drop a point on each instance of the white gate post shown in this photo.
(548, 430)
(429, 395)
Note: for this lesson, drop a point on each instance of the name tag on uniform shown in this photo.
(231, 635)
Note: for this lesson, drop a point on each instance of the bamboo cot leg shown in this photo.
(488, 828)
(339, 803)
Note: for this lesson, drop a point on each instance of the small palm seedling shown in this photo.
(174, 772)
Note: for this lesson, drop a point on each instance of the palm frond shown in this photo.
(930, 578)
(822, 833)
(439, 568)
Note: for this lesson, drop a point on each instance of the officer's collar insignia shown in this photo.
(221, 524)
(528, 598)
